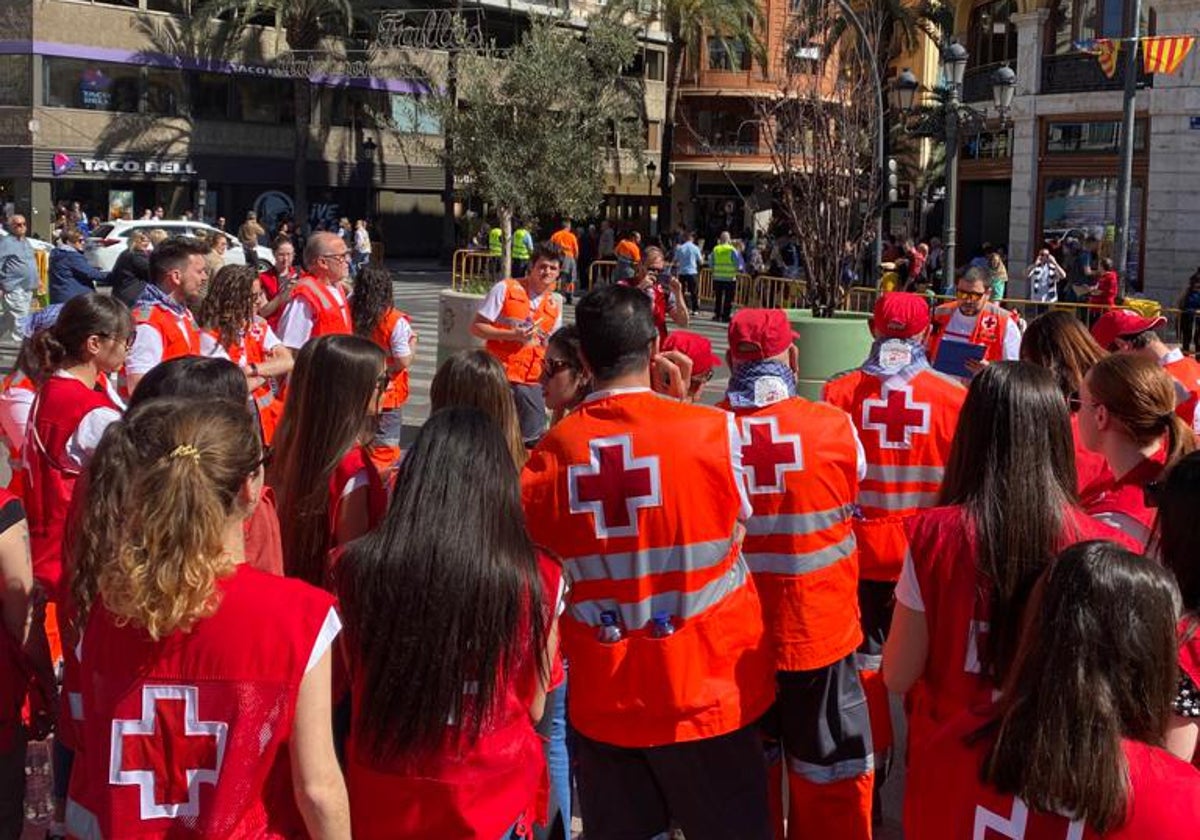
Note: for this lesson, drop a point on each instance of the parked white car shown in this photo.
(108, 241)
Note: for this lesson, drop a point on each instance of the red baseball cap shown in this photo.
(695, 347)
(1118, 323)
(760, 333)
(900, 315)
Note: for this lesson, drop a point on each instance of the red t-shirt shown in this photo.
(1123, 504)
(1106, 289)
(945, 799)
(1094, 478)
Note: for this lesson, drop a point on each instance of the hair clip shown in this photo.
(185, 450)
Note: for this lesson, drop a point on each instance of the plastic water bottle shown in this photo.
(610, 627)
(662, 625)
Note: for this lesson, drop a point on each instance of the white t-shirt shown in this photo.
(209, 346)
(492, 305)
(908, 588)
(296, 323)
(962, 327)
(400, 340)
(15, 404)
(86, 437)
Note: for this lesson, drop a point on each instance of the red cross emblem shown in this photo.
(613, 485)
(168, 753)
(989, 322)
(768, 455)
(896, 417)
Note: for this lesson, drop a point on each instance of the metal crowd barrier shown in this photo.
(472, 268)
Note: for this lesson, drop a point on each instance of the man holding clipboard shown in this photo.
(971, 331)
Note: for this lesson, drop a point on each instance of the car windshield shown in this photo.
(102, 232)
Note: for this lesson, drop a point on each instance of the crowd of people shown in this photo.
(578, 586)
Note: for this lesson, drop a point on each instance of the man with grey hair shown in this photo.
(18, 278)
(318, 305)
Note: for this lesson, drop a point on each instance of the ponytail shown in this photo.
(1181, 440)
(1141, 395)
(157, 564)
(47, 352)
(79, 319)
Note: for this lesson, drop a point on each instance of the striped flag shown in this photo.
(1106, 54)
(1165, 54)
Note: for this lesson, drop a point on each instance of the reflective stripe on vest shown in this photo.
(801, 563)
(75, 703)
(683, 605)
(896, 501)
(797, 524)
(825, 774)
(82, 823)
(648, 561)
(868, 661)
(928, 475)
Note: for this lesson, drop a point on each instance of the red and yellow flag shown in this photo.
(1165, 54)
(1106, 54)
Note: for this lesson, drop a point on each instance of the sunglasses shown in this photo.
(961, 295)
(556, 366)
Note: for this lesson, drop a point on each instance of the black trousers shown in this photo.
(689, 288)
(724, 306)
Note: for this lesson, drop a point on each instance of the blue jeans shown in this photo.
(553, 727)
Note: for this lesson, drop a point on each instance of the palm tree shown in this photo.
(687, 22)
(902, 24)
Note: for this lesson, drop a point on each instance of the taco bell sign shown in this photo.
(124, 166)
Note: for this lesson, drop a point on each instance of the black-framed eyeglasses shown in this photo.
(344, 256)
(556, 366)
(129, 339)
(264, 461)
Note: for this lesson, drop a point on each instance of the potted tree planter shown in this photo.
(828, 346)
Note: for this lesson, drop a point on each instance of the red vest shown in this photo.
(801, 467)
(188, 736)
(1123, 505)
(1093, 477)
(945, 800)
(356, 458)
(251, 351)
(990, 326)
(331, 314)
(17, 380)
(1186, 373)
(523, 362)
(473, 791)
(645, 525)
(57, 411)
(397, 393)
(180, 336)
(1189, 658)
(956, 614)
(906, 426)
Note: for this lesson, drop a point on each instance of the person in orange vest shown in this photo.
(377, 319)
(669, 666)
(802, 464)
(1125, 331)
(906, 414)
(628, 254)
(318, 304)
(165, 326)
(234, 331)
(973, 320)
(515, 321)
(568, 243)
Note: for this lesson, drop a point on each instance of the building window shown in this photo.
(653, 135)
(656, 65)
(95, 86)
(166, 92)
(209, 95)
(991, 35)
(729, 54)
(269, 101)
(1073, 21)
(412, 115)
(15, 78)
(182, 8)
(353, 106)
(1091, 138)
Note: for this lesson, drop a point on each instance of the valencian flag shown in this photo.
(1105, 51)
(1165, 54)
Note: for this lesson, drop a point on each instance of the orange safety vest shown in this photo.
(180, 335)
(567, 241)
(251, 350)
(990, 326)
(16, 380)
(1186, 373)
(397, 392)
(523, 362)
(331, 314)
(906, 424)
(644, 527)
(801, 466)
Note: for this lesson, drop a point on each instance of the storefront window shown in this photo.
(96, 86)
(263, 100)
(210, 96)
(1080, 210)
(1095, 138)
(15, 78)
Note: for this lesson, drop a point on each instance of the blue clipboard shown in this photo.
(952, 357)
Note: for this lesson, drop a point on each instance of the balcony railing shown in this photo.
(1080, 73)
(718, 148)
(977, 82)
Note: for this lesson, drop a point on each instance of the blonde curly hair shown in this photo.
(173, 468)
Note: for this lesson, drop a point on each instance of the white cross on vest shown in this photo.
(168, 753)
(614, 485)
(991, 826)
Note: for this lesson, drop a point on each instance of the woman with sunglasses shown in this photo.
(1127, 415)
(328, 489)
(230, 666)
(1007, 506)
(232, 329)
(564, 381)
(1073, 747)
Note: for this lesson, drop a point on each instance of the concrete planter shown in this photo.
(456, 311)
(828, 346)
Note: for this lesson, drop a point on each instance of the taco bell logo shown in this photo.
(61, 164)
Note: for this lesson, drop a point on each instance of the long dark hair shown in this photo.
(1059, 342)
(1012, 468)
(332, 385)
(1097, 664)
(445, 591)
(80, 318)
(1178, 529)
(371, 299)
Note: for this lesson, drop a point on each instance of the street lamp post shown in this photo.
(953, 117)
(651, 169)
(368, 155)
